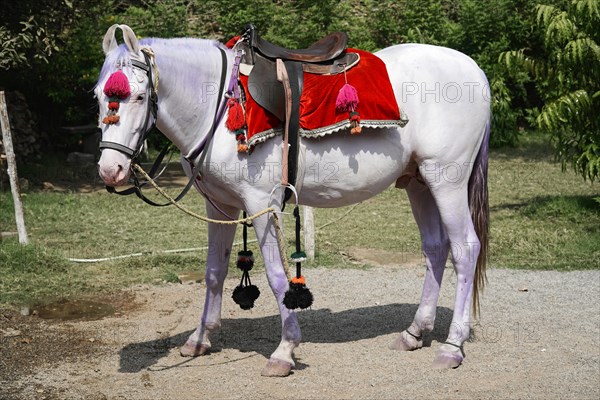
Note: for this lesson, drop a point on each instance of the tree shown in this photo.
(568, 81)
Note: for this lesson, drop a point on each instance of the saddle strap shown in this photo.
(291, 75)
(282, 76)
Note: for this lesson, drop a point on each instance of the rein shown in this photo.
(152, 110)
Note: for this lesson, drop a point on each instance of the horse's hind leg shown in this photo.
(435, 247)
(220, 240)
(452, 201)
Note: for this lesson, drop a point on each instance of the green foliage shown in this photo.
(157, 18)
(30, 31)
(568, 81)
(67, 34)
(12, 46)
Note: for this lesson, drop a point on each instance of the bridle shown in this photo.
(150, 124)
(151, 110)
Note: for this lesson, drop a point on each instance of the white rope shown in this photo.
(147, 253)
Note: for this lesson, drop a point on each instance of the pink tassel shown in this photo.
(347, 99)
(117, 86)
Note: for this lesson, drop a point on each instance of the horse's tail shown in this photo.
(478, 204)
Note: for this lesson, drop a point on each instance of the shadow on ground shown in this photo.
(261, 334)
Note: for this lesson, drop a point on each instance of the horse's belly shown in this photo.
(343, 170)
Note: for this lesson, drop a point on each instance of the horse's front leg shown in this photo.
(280, 363)
(220, 240)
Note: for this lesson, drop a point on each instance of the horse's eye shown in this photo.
(140, 97)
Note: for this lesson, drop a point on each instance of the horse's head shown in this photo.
(127, 102)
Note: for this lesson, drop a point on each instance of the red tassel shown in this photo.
(113, 105)
(235, 115)
(232, 42)
(347, 99)
(117, 85)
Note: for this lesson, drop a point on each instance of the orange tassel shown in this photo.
(242, 148)
(355, 127)
(300, 280)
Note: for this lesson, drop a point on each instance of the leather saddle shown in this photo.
(326, 49)
(276, 80)
(327, 56)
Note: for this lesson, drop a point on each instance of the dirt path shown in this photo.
(538, 337)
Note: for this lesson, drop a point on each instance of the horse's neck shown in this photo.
(188, 95)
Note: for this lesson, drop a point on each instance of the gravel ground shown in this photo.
(538, 337)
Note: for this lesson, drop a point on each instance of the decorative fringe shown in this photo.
(298, 295)
(117, 86)
(245, 293)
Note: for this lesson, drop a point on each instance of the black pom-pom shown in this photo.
(298, 296)
(245, 260)
(245, 296)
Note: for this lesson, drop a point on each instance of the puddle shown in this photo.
(75, 309)
(191, 277)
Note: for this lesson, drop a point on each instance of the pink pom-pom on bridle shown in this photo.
(117, 89)
(117, 86)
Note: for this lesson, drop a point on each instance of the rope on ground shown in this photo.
(338, 219)
(148, 253)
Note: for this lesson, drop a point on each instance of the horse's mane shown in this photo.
(190, 48)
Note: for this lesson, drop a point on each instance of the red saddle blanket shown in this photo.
(318, 115)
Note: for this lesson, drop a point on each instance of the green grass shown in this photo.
(541, 218)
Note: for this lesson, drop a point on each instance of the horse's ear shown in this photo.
(131, 41)
(109, 42)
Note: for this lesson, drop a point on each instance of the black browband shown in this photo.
(152, 109)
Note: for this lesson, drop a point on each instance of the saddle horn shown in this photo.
(109, 42)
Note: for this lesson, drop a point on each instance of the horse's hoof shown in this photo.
(190, 349)
(447, 359)
(406, 342)
(276, 367)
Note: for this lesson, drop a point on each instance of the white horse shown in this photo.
(440, 158)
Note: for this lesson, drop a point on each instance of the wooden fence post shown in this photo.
(309, 232)
(12, 170)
